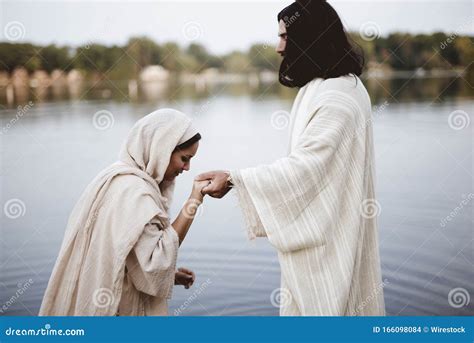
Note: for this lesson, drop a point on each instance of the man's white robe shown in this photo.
(317, 205)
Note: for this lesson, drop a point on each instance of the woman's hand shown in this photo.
(184, 277)
(196, 193)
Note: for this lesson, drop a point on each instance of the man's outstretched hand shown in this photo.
(219, 185)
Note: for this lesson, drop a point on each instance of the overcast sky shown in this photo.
(221, 26)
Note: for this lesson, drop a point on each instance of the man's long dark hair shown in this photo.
(317, 45)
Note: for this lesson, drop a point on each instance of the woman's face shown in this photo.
(180, 160)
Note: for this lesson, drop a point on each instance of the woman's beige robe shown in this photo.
(119, 251)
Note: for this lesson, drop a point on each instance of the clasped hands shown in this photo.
(214, 183)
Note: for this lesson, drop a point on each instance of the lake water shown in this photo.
(424, 185)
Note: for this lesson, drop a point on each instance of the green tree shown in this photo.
(55, 58)
(171, 55)
(203, 57)
(144, 51)
(19, 55)
(237, 62)
(264, 56)
(93, 58)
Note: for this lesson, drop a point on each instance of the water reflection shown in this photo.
(76, 88)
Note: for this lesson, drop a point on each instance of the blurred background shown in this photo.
(75, 76)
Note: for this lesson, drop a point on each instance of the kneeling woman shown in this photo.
(118, 256)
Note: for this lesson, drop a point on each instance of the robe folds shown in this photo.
(317, 206)
(118, 255)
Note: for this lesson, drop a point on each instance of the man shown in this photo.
(315, 205)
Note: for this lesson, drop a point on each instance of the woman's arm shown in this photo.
(151, 263)
(186, 216)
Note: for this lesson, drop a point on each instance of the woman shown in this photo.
(119, 252)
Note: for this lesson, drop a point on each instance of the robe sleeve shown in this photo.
(274, 196)
(151, 264)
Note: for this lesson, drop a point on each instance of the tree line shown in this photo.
(397, 51)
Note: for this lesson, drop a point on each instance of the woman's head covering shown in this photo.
(153, 138)
(190, 133)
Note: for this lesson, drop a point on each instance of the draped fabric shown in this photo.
(119, 250)
(312, 204)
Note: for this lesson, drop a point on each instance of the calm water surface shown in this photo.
(424, 174)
